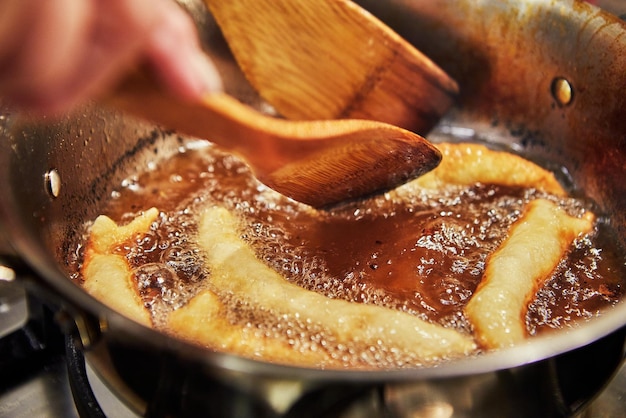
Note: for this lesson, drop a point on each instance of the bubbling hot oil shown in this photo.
(304, 336)
(424, 254)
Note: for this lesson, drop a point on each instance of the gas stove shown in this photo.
(44, 375)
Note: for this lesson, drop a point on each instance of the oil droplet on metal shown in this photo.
(562, 91)
(53, 183)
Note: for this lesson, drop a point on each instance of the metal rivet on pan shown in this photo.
(562, 91)
(53, 183)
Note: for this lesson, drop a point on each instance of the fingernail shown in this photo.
(209, 80)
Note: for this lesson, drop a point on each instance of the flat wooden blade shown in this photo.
(330, 59)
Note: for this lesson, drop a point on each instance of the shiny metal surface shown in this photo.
(13, 309)
(48, 396)
(611, 403)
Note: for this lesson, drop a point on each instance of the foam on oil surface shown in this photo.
(424, 255)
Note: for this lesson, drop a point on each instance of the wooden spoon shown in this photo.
(331, 59)
(316, 162)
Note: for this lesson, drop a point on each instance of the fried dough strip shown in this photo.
(468, 164)
(108, 277)
(518, 268)
(237, 271)
(106, 234)
(204, 321)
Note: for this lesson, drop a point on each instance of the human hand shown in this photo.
(56, 54)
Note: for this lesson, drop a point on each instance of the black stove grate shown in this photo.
(85, 400)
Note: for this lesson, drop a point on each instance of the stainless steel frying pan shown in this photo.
(546, 77)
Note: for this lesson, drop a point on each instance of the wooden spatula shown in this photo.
(316, 162)
(330, 59)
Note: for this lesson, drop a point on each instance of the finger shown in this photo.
(94, 47)
(12, 28)
(74, 49)
(46, 52)
(174, 53)
(124, 35)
